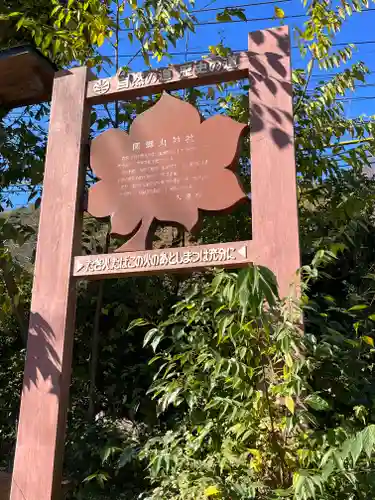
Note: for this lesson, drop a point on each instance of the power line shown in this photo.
(11, 190)
(311, 91)
(345, 99)
(241, 6)
(360, 42)
(331, 75)
(360, 98)
(252, 20)
(205, 52)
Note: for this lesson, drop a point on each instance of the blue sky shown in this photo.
(360, 28)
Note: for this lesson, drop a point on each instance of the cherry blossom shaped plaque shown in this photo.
(170, 166)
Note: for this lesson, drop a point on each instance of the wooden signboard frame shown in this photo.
(41, 429)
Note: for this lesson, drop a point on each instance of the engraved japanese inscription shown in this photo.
(161, 260)
(126, 80)
(168, 167)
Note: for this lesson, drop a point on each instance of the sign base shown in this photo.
(229, 255)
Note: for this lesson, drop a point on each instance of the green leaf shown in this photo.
(338, 461)
(156, 341)
(268, 284)
(317, 402)
(358, 307)
(146, 58)
(175, 14)
(279, 13)
(55, 10)
(310, 65)
(356, 448)
(108, 452)
(368, 439)
(149, 335)
(172, 398)
(223, 17)
(216, 282)
(138, 322)
(289, 403)
(100, 39)
(368, 340)
(127, 456)
(243, 291)
(223, 324)
(240, 13)
(90, 477)
(211, 491)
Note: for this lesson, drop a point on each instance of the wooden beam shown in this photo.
(190, 74)
(273, 170)
(37, 468)
(26, 77)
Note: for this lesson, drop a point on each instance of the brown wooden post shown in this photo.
(41, 428)
(273, 170)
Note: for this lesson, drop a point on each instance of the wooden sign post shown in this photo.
(167, 162)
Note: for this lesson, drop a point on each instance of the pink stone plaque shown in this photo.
(170, 166)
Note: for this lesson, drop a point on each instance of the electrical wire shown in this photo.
(251, 20)
(240, 6)
(205, 52)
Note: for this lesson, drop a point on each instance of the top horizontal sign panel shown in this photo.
(211, 69)
(128, 85)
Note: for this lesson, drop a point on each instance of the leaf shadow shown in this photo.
(42, 360)
(270, 88)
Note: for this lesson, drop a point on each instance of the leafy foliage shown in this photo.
(63, 31)
(251, 421)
